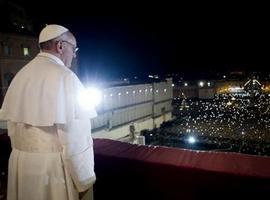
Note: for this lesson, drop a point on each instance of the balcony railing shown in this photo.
(129, 171)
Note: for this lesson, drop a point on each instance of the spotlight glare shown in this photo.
(191, 139)
(89, 97)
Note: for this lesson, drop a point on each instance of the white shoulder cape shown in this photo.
(44, 93)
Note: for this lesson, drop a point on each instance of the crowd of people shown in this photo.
(235, 123)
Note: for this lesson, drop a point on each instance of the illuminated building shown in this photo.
(144, 106)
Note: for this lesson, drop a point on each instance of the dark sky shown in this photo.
(139, 39)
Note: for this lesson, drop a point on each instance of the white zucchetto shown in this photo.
(50, 32)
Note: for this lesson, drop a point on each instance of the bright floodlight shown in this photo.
(90, 97)
(201, 84)
(191, 139)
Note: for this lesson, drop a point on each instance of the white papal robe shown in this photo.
(52, 148)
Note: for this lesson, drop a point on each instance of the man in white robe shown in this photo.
(52, 148)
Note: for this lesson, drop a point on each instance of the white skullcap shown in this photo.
(50, 32)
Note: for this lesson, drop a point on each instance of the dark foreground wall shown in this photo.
(126, 171)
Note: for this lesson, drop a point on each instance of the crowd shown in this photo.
(228, 122)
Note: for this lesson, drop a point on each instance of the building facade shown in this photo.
(141, 106)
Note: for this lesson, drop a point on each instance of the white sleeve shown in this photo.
(75, 136)
(78, 156)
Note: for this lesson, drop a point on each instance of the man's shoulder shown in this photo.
(42, 64)
(39, 70)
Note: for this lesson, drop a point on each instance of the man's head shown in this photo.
(59, 41)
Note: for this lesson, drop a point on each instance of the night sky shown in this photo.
(139, 39)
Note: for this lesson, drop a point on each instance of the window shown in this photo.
(7, 50)
(25, 51)
(109, 124)
(8, 77)
(163, 110)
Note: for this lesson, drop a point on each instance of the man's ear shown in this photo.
(59, 47)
